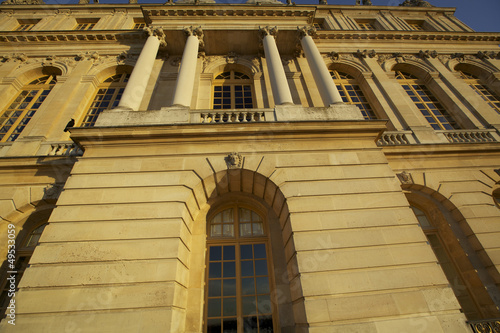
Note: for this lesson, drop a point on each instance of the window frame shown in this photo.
(85, 24)
(346, 81)
(232, 82)
(34, 91)
(238, 241)
(474, 82)
(114, 99)
(410, 80)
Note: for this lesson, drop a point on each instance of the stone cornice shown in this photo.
(229, 11)
(71, 36)
(410, 35)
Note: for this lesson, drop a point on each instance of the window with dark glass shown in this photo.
(23, 255)
(457, 282)
(238, 280)
(232, 90)
(107, 97)
(482, 90)
(351, 93)
(85, 24)
(24, 106)
(424, 100)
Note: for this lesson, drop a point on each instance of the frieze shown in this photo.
(281, 12)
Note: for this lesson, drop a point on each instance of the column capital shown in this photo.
(158, 32)
(267, 30)
(196, 32)
(306, 31)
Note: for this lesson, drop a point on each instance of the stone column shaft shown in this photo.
(137, 83)
(327, 88)
(279, 83)
(187, 73)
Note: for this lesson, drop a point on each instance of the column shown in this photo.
(324, 82)
(279, 84)
(137, 83)
(187, 73)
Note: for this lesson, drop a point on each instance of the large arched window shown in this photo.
(22, 109)
(232, 90)
(455, 278)
(22, 258)
(489, 96)
(425, 101)
(107, 97)
(238, 277)
(351, 93)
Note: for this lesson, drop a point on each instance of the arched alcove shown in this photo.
(252, 190)
(448, 233)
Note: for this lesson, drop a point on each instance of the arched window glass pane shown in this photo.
(486, 94)
(351, 93)
(425, 101)
(24, 106)
(107, 97)
(35, 236)
(421, 217)
(232, 90)
(238, 285)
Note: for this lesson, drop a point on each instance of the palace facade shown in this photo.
(259, 167)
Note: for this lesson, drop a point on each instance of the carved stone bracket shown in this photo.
(233, 160)
(427, 54)
(365, 53)
(405, 178)
(232, 58)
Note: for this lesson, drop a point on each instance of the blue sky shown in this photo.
(480, 15)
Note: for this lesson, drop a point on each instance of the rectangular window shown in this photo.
(85, 24)
(139, 24)
(366, 24)
(26, 25)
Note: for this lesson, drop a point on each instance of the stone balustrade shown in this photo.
(471, 136)
(235, 116)
(393, 138)
(64, 149)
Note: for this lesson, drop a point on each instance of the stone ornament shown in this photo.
(158, 32)
(427, 54)
(416, 3)
(233, 160)
(264, 31)
(405, 178)
(52, 191)
(306, 31)
(364, 2)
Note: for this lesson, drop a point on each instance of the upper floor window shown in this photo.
(489, 96)
(139, 24)
(232, 90)
(425, 101)
(416, 25)
(26, 25)
(107, 97)
(366, 24)
(85, 24)
(20, 111)
(238, 278)
(351, 93)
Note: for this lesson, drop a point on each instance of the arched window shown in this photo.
(455, 278)
(238, 277)
(232, 90)
(23, 255)
(489, 96)
(351, 93)
(20, 111)
(425, 101)
(107, 97)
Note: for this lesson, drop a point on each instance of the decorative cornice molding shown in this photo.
(70, 36)
(409, 35)
(215, 12)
